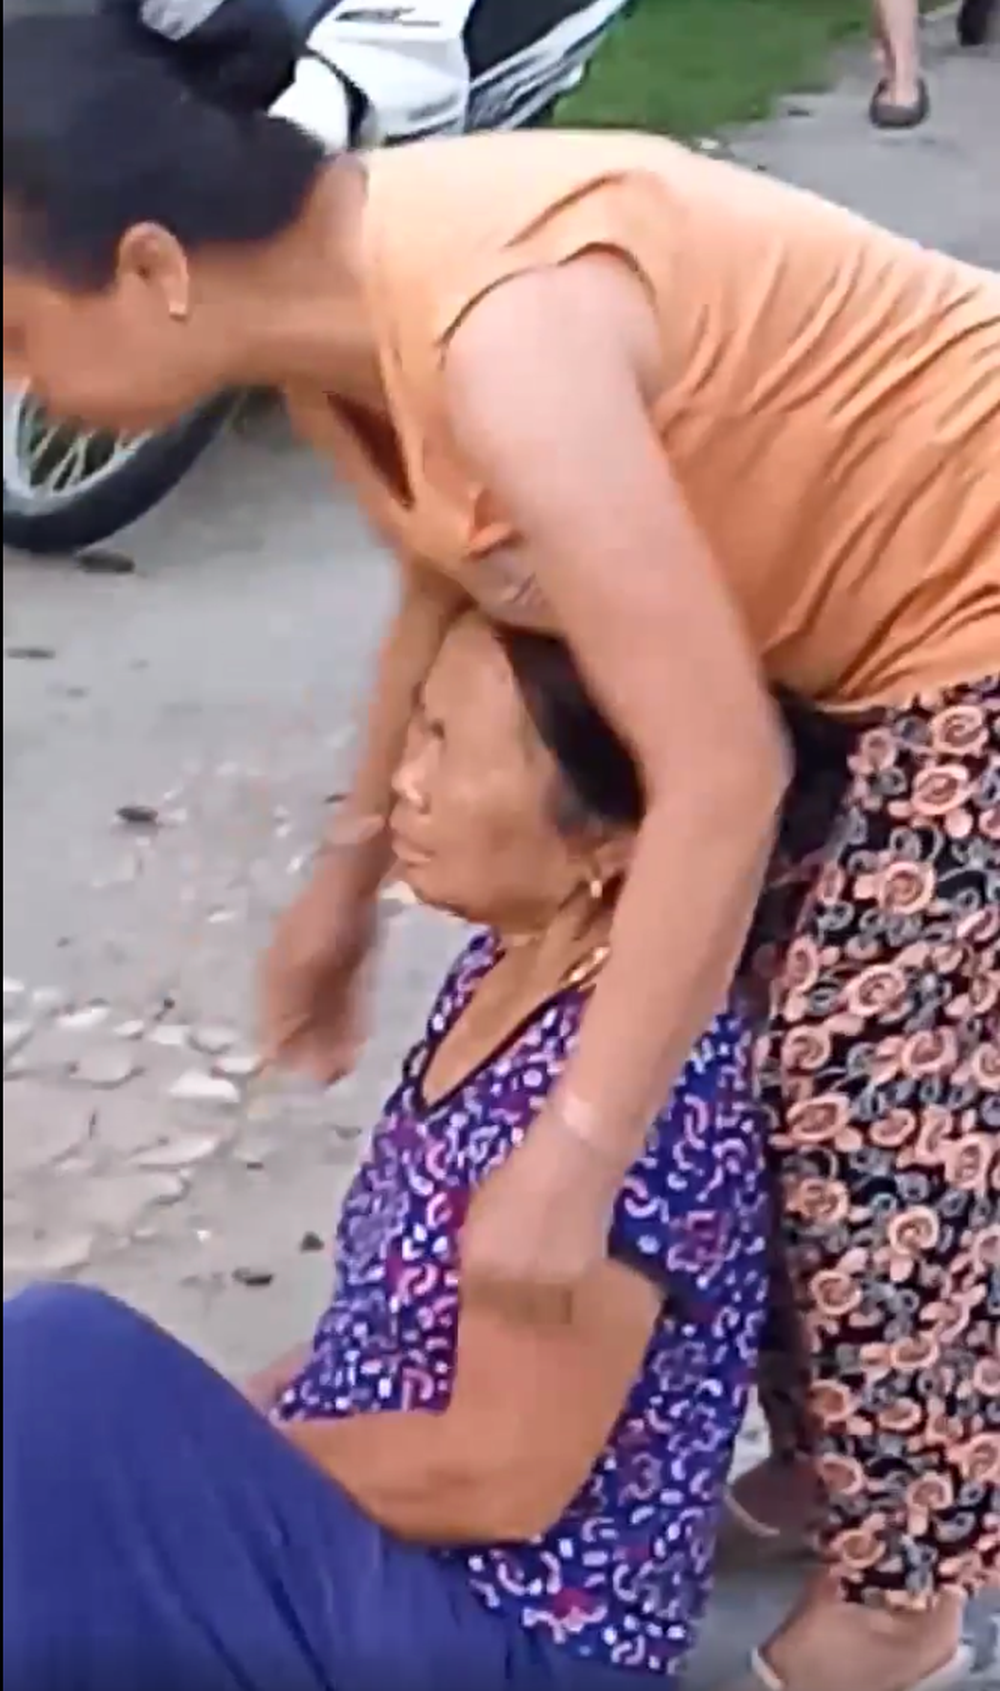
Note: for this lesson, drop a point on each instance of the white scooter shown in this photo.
(354, 74)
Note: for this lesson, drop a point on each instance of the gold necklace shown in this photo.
(580, 973)
(588, 968)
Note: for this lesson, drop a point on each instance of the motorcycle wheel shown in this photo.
(66, 488)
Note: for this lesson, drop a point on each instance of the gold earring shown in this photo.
(595, 887)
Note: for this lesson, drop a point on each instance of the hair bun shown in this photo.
(235, 53)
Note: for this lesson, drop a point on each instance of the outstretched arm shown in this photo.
(311, 1013)
(428, 604)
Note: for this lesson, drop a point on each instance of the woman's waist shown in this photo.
(877, 645)
(943, 675)
(623, 1574)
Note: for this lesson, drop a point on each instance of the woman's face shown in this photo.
(472, 826)
(133, 355)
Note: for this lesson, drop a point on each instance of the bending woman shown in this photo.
(488, 1505)
(720, 437)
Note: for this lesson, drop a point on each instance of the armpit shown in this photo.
(505, 587)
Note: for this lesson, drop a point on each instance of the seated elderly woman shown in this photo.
(440, 1497)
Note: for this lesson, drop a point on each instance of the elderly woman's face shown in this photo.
(473, 826)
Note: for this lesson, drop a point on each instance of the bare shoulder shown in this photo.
(589, 314)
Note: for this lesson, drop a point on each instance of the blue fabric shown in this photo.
(622, 1578)
(161, 1535)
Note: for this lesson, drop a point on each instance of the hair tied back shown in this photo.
(240, 54)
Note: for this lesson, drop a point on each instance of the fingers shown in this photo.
(260, 1391)
(329, 1065)
(310, 1028)
(308, 1037)
(308, 1053)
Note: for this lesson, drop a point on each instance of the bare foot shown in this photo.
(828, 1643)
(902, 87)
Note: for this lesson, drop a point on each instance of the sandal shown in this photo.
(953, 1676)
(886, 113)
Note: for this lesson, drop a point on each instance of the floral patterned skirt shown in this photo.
(879, 940)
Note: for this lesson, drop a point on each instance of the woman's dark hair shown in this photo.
(599, 774)
(106, 125)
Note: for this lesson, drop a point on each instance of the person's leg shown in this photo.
(160, 1534)
(976, 22)
(883, 1048)
(776, 1501)
(774, 1505)
(901, 97)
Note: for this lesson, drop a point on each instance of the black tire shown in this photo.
(71, 522)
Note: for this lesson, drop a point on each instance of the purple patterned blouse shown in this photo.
(623, 1577)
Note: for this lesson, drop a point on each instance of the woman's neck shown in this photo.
(530, 970)
(545, 960)
(308, 297)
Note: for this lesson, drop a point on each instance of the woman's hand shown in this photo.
(266, 1388)
(313, 983)
(538, 1227)
(314, 970)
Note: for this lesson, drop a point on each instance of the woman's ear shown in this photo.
(611, 857)
(152, 259)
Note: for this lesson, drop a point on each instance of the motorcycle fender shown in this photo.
(414, 87)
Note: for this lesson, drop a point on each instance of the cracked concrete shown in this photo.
(208, 695)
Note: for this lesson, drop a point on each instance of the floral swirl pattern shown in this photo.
(881, 1075)
(623, 1577)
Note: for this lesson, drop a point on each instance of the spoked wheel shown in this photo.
(65, 487)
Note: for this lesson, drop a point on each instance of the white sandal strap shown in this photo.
(764, 1673)
(952, 1676)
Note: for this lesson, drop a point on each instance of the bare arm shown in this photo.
(530, 1413)
(428, 604)
(313, 975)
(637, 593)
(267, 1385)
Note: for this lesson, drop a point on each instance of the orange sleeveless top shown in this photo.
(830, 401)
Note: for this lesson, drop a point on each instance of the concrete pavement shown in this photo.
(213, 686)
(936, 184)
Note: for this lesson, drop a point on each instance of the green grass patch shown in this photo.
(688, 67)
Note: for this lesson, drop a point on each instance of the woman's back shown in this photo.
(846, 381)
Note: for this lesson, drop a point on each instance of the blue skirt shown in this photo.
(161, 1535)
